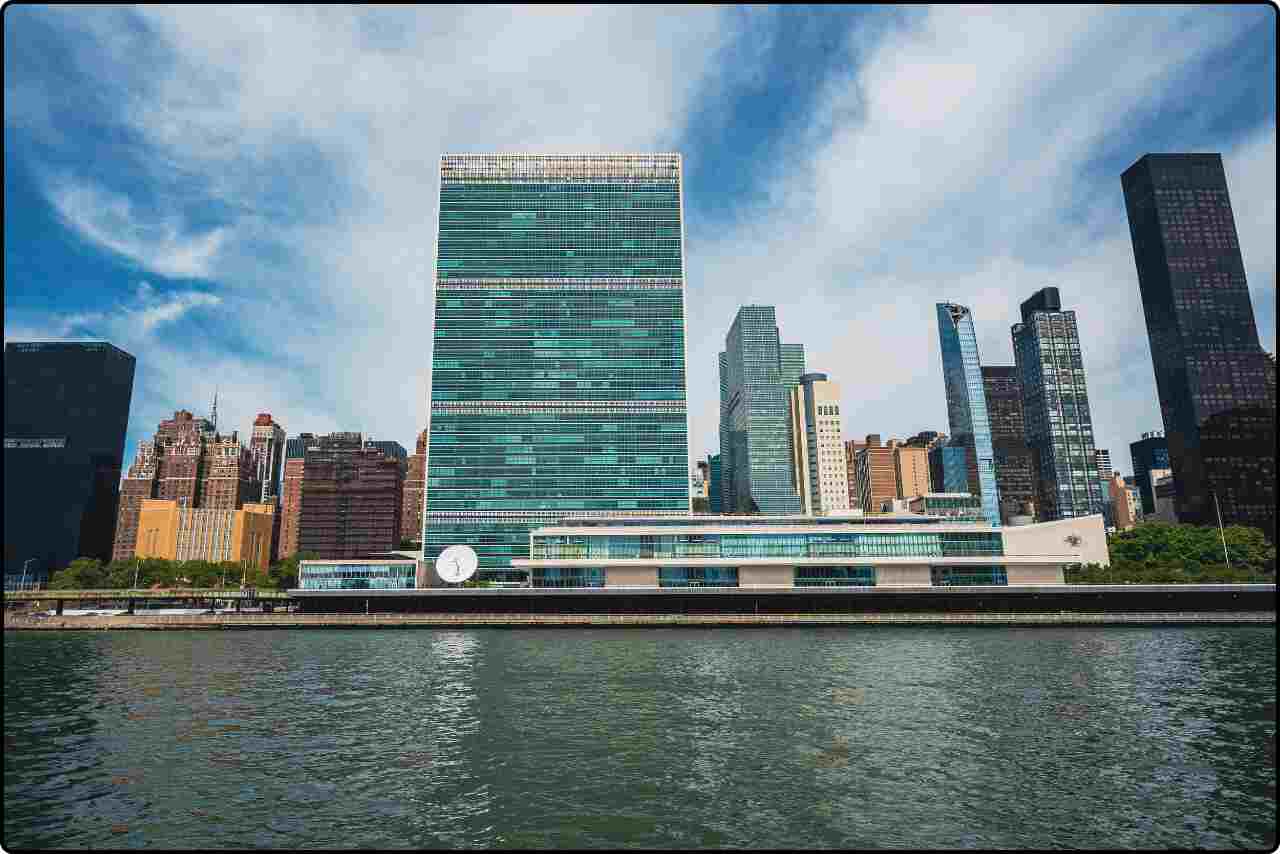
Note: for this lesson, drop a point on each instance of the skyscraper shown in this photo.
(1015, 464)
(967, 404)
(818, 452)
(66, 411)
(1055, 408)
(1215, 382)
(1149, 453)
(266, 448)
(757, 372)
(558, 365)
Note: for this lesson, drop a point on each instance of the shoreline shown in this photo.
(395, 621)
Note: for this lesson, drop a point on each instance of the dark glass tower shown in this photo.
(1148, 454)
(1055, 408)
(757, 373)
(1211, 374)
(558, 366)
(1015, 465)
(66, 412)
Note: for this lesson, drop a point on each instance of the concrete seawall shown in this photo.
(396, 621)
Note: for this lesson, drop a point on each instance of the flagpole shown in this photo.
(1221, 533)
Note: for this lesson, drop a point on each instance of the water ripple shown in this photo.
(669, 738)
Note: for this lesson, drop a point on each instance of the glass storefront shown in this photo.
(357, 576)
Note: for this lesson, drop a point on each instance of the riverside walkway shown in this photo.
(396, 621)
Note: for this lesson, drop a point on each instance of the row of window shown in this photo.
(896, 544)
(803, 576)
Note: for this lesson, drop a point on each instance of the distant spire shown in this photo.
(213, 416)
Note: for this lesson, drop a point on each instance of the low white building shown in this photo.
(807, 551)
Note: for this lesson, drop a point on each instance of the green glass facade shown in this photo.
(558, 358)
(757, 373)
(923, 544)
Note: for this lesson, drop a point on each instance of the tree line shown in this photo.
(1161, 553)
(144, 573)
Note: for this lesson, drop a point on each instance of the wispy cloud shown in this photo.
(159, 243)
(948, 154)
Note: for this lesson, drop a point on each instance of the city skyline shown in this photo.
(195, 279)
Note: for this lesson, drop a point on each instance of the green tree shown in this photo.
(83, 573)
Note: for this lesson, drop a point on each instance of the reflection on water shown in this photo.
(894, 737)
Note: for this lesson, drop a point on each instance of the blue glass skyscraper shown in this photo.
(558, 365)
(967, 403)
(756, 376)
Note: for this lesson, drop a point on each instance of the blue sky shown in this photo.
(244, 199)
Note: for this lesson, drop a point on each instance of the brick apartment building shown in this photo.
(186, 462)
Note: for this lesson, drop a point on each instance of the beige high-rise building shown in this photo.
(911, 466)
(818, 461)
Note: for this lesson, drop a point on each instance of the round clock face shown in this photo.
(456, 564)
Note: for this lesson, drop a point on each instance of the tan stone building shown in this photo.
(818, 463)
(167, 530)
(911, 467)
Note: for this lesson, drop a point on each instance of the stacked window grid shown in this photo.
(558, 353)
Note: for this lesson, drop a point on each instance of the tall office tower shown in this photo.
(911, 467)
(227, 475)
(817, 450)
(266, 448)
(1055, 408)
(66, 411)
(169, 468)
(757, 373)
(713, 484)
(351, 498)
(877, 478)
(967, 404)
(295, 452)
(1216, 384)
(1015, 464)
(558, 366)
(415, 485)
(1148, 453)
(851, 448)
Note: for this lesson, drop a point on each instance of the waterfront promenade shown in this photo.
(160, 622)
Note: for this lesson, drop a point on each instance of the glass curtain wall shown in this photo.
(558, 361)
(967, 403)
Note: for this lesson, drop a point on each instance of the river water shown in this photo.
(931, 737)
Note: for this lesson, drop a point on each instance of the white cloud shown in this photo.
(953, 165)
(110, 220)
(946, 165)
